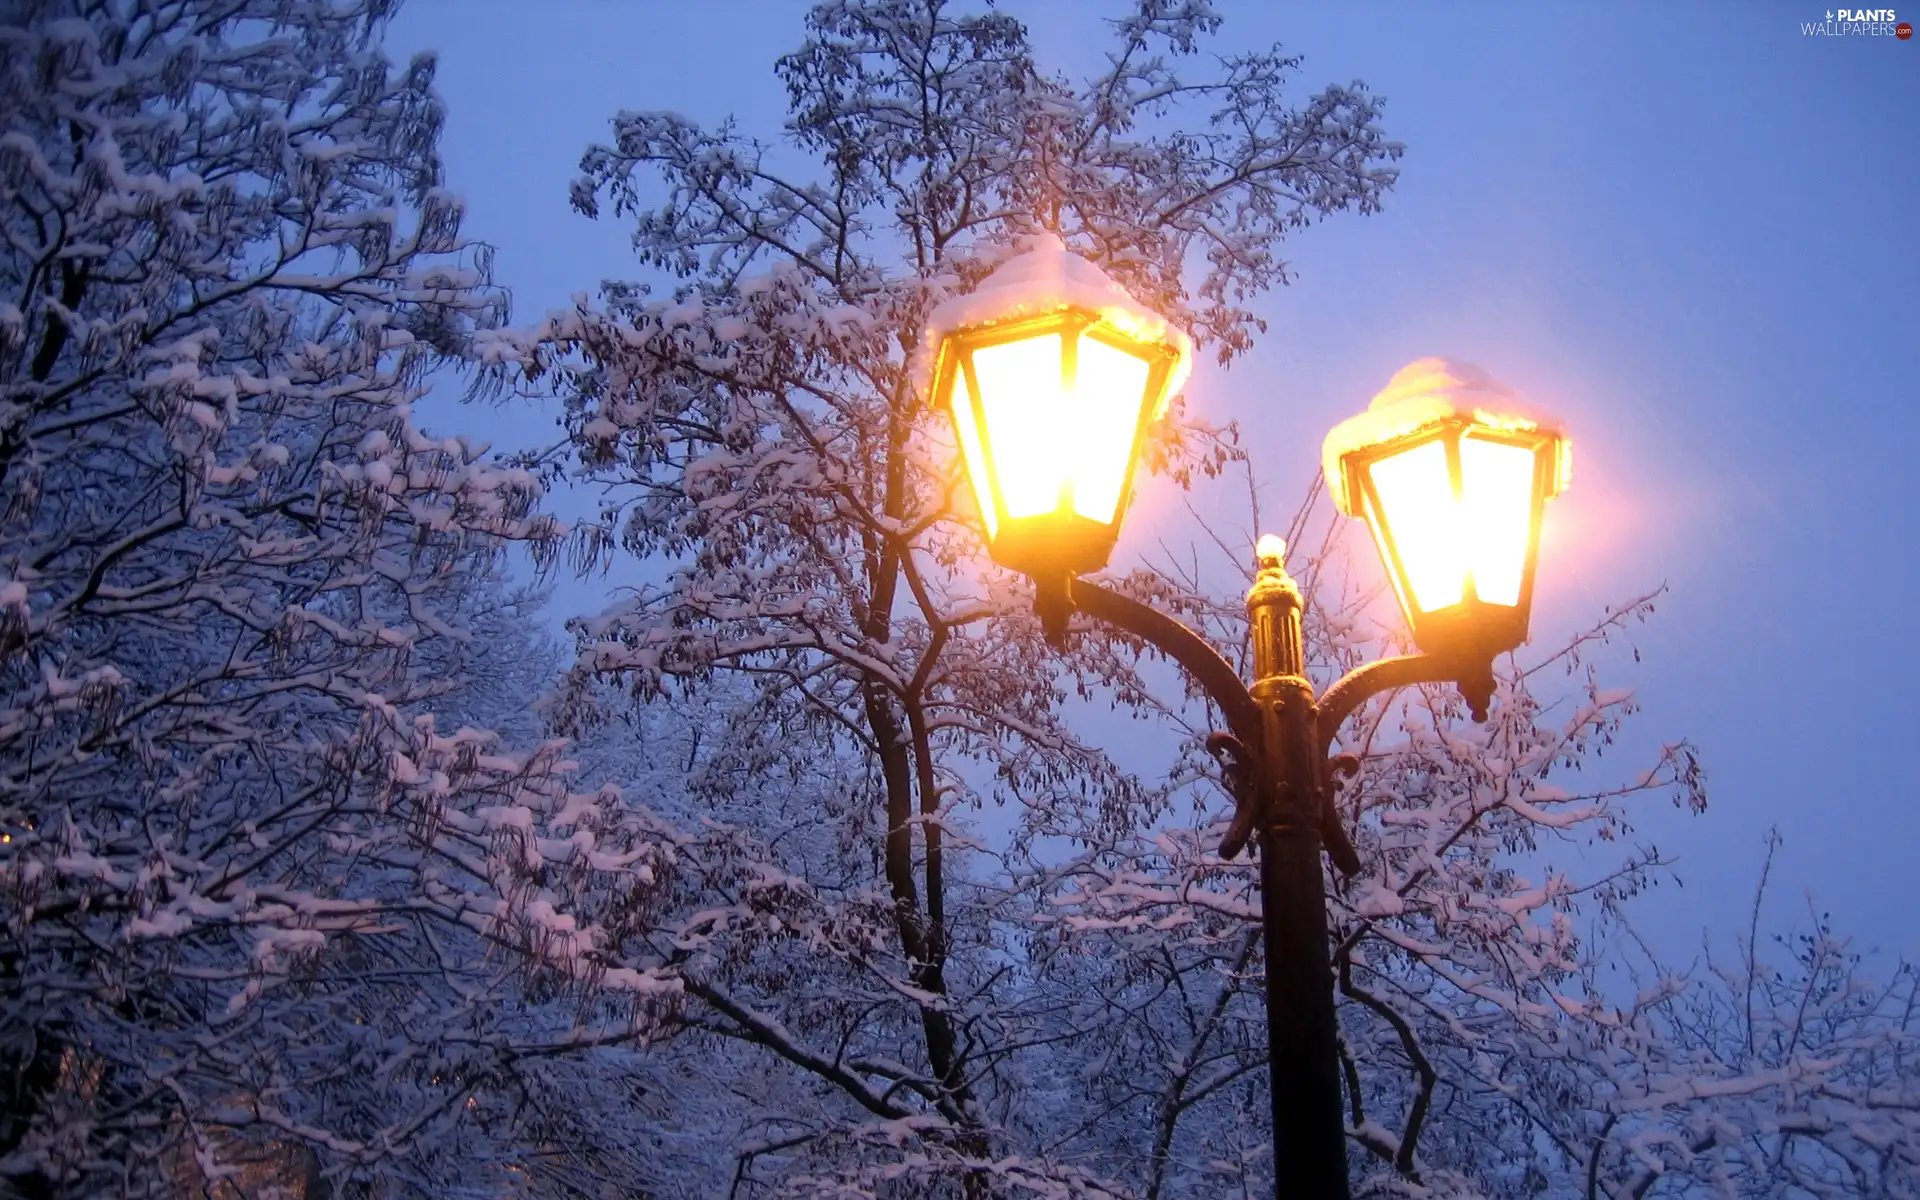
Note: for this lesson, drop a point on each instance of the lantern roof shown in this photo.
(1428, 392)
(1046, 278)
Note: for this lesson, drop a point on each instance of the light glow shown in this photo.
(1421, 518)
(1496, 515)
(1049, 371)
(1020, 397)
(1097, 445)
(976, 459)
(1051, 446)
(1449, 543)
(1452, 476)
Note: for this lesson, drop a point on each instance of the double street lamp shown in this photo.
(1053, 376)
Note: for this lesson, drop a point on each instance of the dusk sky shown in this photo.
(1688, 229)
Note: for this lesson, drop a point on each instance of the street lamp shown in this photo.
(1453, 479)
(1052, 375)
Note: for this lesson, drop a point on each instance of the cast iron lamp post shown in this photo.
(1053, 375)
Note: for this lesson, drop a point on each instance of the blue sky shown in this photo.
(1689, 229)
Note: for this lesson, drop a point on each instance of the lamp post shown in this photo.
(1052, 375)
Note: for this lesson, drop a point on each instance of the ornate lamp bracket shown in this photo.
(1244, 766)
(1245, 750)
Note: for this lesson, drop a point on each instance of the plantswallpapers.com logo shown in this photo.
(1858, 22)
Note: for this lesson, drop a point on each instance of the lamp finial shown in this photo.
(1270, 552)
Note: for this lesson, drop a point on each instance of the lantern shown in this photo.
(1453, 480)
(1052, 374)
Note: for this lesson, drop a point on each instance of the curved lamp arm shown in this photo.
(1223, 684)
(1472, 672)
(1214, 674)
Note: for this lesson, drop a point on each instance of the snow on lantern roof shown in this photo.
(1045, 278)
(1427, 392)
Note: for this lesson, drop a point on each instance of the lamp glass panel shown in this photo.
(1496, 515)
(970, 449)
(1109, 387)
(1021, 400)
(1416, 498)
(1378, 525)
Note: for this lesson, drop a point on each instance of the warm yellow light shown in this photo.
(1109, 385)
(1021, 401)
(971, 451)
(1061, 437)
(1052, 375)
(1452, 479)
(1496, 516)
(1451, 543)
(1421, 519)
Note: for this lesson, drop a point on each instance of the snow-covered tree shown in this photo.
(295, 895)
(252, 893)
(1073, 1012)
(1785, 1071)
(761, 427)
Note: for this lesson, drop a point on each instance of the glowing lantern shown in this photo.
(1052, 374)
(1454, 481)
